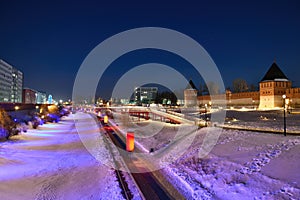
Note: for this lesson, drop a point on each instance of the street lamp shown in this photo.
(284, 117)
(36, 108)
(15, 115)
(205, 115)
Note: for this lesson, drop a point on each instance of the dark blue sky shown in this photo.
(48, 40)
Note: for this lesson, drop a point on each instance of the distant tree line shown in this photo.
(166, 96)
(238, 85)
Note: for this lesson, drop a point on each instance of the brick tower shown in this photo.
(273, 85)
(190, 95)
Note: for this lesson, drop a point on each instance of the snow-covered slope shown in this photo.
(52, 163)
(242, 165)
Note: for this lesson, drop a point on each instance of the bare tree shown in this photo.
(253, 88)
(239, 85)
(201, 89)
(213, 88)
(6, 124)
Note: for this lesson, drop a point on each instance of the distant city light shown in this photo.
(50, 99)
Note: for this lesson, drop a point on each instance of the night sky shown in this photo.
(48, 40)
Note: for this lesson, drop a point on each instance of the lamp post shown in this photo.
(36, 109)
(209, 103)
(205, 115)
(15, 115)
(284, 117)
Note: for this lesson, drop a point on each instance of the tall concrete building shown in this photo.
(11, 83)
(145, 94)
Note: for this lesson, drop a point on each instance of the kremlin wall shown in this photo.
(272, 87)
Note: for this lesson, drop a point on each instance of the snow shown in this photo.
(148, 133)
(52, 163)
(242, 165)
(263, 120)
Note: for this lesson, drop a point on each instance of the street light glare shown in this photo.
(284, 96)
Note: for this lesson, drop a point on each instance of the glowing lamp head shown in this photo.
(130, 141)
(284, 96)
(105, 119)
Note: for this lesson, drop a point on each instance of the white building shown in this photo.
(41, 97)
(11, 83)
(145, 94)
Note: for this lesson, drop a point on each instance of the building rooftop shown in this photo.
(274, 74)
(191, 85)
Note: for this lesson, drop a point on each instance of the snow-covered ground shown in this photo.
(52, 163)
(242, 165)
(266, 120)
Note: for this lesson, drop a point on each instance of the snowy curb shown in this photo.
(241, 128)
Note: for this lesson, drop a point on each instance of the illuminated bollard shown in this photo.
(130, 141)
(105, 119)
